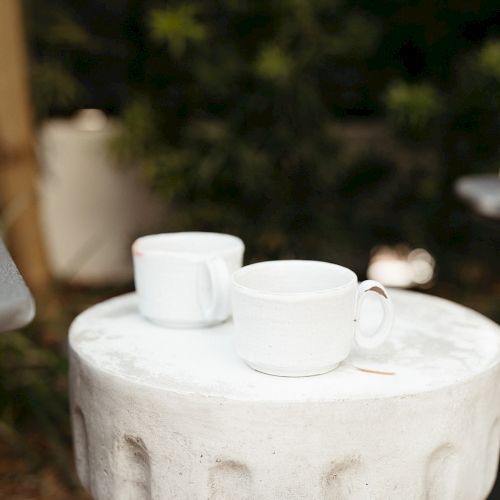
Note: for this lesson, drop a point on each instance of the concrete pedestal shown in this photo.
(175, 414)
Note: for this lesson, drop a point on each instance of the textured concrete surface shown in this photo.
(161, 414)
(17, 307)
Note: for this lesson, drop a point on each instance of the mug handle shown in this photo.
(215, 306)
(382, 332)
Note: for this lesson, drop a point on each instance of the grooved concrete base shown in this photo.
(174, 414)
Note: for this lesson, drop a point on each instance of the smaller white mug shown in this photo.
(299, 317)
(183, 279)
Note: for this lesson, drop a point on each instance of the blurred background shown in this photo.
(362, 133)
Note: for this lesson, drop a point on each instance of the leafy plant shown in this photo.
(414, 108)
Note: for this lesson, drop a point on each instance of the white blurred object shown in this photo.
(481, 192)
(91, 209)
(392, 272)
(90, 120)
(422, 264)
(400, 267)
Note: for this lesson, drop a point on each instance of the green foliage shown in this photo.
(53, 87)
(489, 60)
(414, 108)
(358, 36)
(139, 132)
(229, 108)
(64, 30)
(178, 26)
(33, 389)
(233, 125)
(473, 117)
(54, 31)
(273, 64)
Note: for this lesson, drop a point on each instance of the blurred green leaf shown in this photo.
(358, 36)
(273, 63)
(177, 26)
(139, 131)
(413, 107)
(53, 86)
(489, 59)
(64, 30)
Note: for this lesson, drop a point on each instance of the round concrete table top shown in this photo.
(435, 343)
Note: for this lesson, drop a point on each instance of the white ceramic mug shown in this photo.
(299, 317)
(183, 279)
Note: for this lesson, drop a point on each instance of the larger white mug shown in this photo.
(183, 279)
(299, 317)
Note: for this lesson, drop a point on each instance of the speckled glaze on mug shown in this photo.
(299, 317)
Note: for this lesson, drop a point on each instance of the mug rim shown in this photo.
(237, 244)
(261, 293)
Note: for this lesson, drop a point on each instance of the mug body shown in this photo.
(171, 276)
(294, 318)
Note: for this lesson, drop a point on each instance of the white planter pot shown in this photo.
(91, 209)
